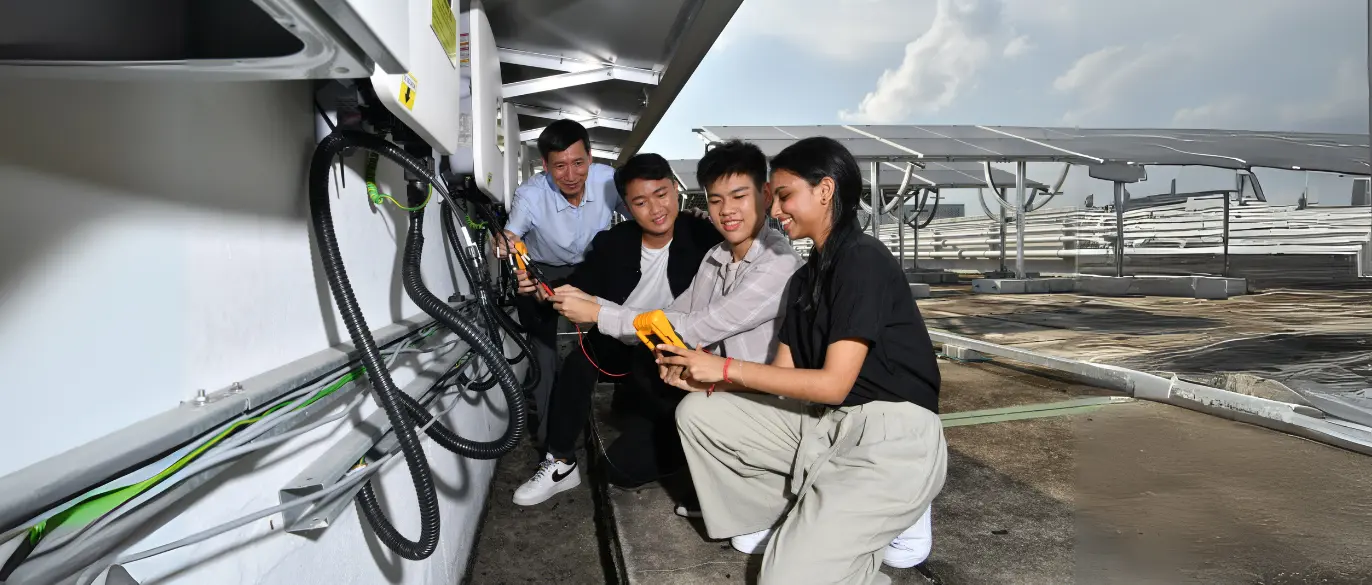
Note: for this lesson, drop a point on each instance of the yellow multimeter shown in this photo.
(654, 325)
(521, 257)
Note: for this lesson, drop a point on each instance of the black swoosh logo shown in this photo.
(557, 477)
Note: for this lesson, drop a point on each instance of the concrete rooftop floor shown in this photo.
(1126, 493)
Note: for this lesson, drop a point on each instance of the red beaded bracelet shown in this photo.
(726, 370)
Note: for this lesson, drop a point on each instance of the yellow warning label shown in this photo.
(445, 27)
(409, 90)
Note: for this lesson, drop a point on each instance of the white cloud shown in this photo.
(1340, 107)
(1232, 112)
(1101, 80)
(1343, 109)
(842, 30)
(1017, 46)
(937, 65)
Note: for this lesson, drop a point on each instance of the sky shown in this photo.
(1298, 65)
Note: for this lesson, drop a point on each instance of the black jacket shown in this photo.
(610, 269)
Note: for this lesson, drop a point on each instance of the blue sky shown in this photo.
(1242, 64)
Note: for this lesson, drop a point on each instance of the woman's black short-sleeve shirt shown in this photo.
(868, 298)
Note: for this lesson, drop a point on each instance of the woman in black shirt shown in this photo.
(828, 454)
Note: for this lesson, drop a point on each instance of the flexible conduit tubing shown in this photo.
(385, 391)
(485, 347)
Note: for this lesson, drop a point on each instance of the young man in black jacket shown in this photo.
(643, 264)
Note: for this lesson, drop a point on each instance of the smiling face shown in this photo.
(568, 168)
(736, 207)
(653, 203)
(803, 210)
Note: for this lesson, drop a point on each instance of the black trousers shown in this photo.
(648, 446)
(540, 321)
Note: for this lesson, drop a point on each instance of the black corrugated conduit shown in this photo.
(402, 412)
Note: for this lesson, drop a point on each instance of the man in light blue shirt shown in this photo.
(556, 213)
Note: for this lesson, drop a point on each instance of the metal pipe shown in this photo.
(1119, 229)
(61, 564)
(900, 230)
(914, 230)
(1002, 239)
(1019, 219)
(1295, 419)
(1224, 231)
(42, 485)
(876, 197)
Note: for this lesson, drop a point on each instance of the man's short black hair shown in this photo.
(561, 135)
(646, 166)
(734, 157)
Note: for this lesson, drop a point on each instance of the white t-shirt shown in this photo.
(653, 290)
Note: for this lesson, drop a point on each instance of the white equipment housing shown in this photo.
(414, 51)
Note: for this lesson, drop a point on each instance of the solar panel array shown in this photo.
(1234, 149)
(934, 175)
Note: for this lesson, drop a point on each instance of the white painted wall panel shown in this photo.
(156, 241)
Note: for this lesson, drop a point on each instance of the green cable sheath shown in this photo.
(97, 505)
(374, 193)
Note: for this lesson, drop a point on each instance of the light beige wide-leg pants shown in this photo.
(836, 484)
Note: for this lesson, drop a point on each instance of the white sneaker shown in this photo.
(912, 546)
(553, 477)
(752, 544)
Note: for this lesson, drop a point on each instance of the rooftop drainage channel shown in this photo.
(606, 524)
(1296, 419)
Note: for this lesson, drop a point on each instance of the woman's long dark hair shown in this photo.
(813, 159)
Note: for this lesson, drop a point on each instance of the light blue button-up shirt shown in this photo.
(555, 231)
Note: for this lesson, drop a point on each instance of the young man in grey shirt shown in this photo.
(732, 305)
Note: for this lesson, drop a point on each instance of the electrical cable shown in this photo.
(477, 285)
(581, 340)
(385, 391)
(351, 479)
(230, 449)
(484, 346)
(400, 409)
(475, 274)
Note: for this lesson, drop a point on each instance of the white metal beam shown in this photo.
(556, 82)
(576, 72)
(569, 65)
(607, 153)
(592, 122)
(573, 114)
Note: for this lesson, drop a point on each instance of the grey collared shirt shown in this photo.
(732, 308)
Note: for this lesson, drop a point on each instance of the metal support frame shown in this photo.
(561, 81)
(1002, 237)
(914, 228)
(900, 233)
(586, 119)
(1295, 419)
(53, 568)
(574, 72)
(605, 152)
(43, 485)
(876, 199)
(330, 467)
(1019, 219)
(1119, 228)
(1224, 230)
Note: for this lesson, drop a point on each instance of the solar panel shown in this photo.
(945, 176)
(686, 173)
(1337, 153)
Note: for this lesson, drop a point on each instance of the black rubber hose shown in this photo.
(385, 391)
(484, 346)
